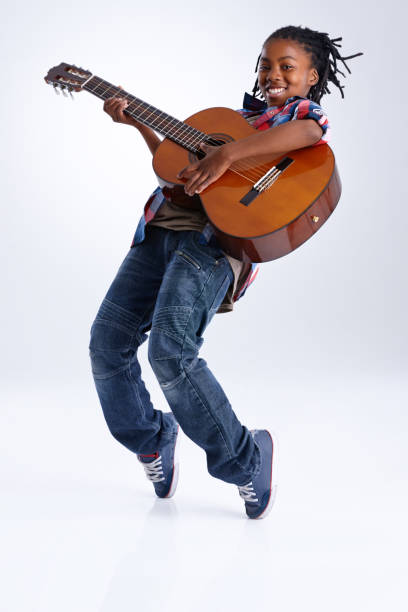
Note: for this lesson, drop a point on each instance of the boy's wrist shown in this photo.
(231, 151)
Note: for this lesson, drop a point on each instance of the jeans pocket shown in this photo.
(189, 258)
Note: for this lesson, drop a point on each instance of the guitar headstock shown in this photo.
(67, 77)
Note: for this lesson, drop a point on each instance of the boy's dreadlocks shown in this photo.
(324, 56)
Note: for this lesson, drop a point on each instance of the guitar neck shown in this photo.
(177, 131)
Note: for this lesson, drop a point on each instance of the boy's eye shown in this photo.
(264, 67)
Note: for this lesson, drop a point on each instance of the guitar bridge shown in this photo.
(266, 181)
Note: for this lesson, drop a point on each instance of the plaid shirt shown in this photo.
(261, 118)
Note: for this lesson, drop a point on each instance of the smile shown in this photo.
(274, 91)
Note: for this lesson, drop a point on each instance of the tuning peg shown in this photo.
(64, 93)
(56, 89)
(70, 93)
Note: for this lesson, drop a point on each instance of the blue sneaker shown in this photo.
(260, 493)
(162, 469)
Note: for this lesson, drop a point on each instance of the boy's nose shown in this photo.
(273, 74)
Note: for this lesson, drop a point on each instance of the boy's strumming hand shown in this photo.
(204, 172)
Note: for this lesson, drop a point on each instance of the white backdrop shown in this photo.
(316, 349)
(75, 183)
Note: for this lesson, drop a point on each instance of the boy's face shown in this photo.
(284, 70)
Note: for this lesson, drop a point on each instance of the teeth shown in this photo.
(275, 91)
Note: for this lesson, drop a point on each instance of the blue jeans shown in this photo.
(172, 285)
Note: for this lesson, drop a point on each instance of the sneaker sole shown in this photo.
(174, 480)
(274, 474)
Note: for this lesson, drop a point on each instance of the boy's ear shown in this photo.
(314, 77)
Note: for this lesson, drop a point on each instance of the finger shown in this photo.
(111, 99)
(203, 183)
(188, 170)
(192, 185)
(118, 106)
(110, 103)
(180, 174)
(206, 147)
(188, 186)
(112, 108)
(119, 101)
(189, 174)
(114, 100)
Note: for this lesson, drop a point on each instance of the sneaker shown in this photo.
(162, 468)
(259, 494)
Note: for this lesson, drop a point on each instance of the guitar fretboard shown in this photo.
(181, 133)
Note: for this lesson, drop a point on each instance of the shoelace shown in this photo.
(154, 470)
(247, 492)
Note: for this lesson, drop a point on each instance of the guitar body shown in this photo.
(276, 221)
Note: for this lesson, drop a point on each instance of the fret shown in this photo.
(170, 127)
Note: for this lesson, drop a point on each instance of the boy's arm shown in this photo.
(274, 142)
(281, 139)
(150, 136)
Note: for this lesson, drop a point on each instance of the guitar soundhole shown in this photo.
(216, 140)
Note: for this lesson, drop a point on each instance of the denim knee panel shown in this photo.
(114, 340)
(171, 354)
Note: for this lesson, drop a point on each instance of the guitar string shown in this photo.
(173, 132)
(134, 101)
(191, 136)
(196, 137)
(196, 140)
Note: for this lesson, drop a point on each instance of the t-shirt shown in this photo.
(159, 211)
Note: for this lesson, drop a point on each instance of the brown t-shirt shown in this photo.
(179, 218)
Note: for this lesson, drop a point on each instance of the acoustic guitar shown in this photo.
(261, 208)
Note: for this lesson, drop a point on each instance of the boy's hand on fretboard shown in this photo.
(115, 107)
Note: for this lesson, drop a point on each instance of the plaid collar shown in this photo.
(251, 103)
(253, 107)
